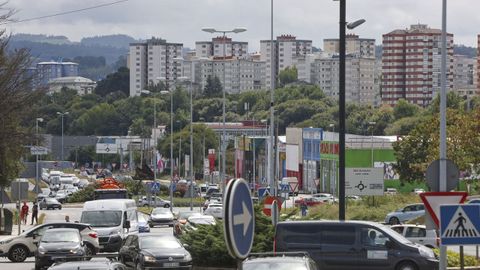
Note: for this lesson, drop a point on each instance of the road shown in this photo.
(59, 215)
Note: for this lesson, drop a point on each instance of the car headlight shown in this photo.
(6, 241)
(426, 252)
(41, 250)
(76, 251)
(187, 257)
(116, 232)
(149, 258)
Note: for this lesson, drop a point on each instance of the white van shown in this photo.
(113, 219)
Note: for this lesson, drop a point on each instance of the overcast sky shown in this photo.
(181, 20)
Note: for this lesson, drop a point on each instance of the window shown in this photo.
(373, 237)
(338, 235)
(415, 232)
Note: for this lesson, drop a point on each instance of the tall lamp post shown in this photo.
(171, 146)
(223, 143)
(62, 114)
(372, 124)
(155, 161)
(341, 104)
(37, 190)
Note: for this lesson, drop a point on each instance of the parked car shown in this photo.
(353, 198)
(310, 201)
(193, 222)
(154, 251)
(418, 190)
(181, 219)
(418, 234)
(104, 264)
(279, 261)
(212, 200)
(210, 191)
(49, 203)
(325, 197)
(143, 226)
(18, 248)
(215, 210)
(61, 195)
(409, 212)
(391, 191)
(158, 202)
(349, 245)
(161, 216)
(59, 243)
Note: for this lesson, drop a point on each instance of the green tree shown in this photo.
(404, 109)
(213, 87)
(117, 81)
(288, 75)
(101, 120)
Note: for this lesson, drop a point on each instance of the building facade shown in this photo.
(215, 48)
(287, 51)
(82, 85)
(46, 71)
(153, 61)
(411, 64)
(464, 76)
(360, 47)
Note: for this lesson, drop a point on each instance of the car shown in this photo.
(97, 264)
(215, 210)
(325, 197)
(345, 245)
(210, 191)
(143, 226)
(279, 261)
(181, 219)
(193, 222)
(154, 251)
(409, 212)
(473, 201)
(49, 203)
(61, 243)
(18, 248)
(161, 216)
(353, 198)
(309, 201)
(158, 202)
(418, 191)
(212, 200)
(61, 195)
(418, 234)
(391, 191)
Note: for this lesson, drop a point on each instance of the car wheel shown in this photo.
(139, 266)
(394, 221)
(38, 267)
(406, 266)
(60, 208)
(166, 206)
(89, 251)
(18, 254)
(150, 225)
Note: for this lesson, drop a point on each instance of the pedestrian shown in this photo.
(34, 213)
(24, 213)
(304, 207)
(67, 218)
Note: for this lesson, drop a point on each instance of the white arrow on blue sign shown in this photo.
(460, 224)
(239, 219)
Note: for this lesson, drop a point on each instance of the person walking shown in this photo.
(24, 213)
(34, 213)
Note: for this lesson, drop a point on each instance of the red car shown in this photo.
(308, 201)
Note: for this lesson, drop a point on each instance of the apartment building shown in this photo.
(287, 51)
(153, 61)
(47, 71)
(215, 48)
(464, 76)
(354, 45)
(359, 77)
(478, 65)
(411, 64)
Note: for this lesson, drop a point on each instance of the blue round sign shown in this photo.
(240, 219)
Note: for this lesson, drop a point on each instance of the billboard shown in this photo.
(364, 181)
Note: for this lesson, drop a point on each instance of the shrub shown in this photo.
(83, 195)
(453, 259)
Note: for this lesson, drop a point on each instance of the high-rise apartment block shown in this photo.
(47, 71)
(464, 76)
(354, 45)
(478, 65)
(215, 48)
(153, 61)
(411, 64)
(287, 51)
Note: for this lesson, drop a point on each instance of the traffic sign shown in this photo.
(267, 204)
(154, 187)
(262, 192)
(433, 200)
(460, 224)
(364, 181)
(433, 175)
(38, 150)
(284, 187)
(239, 224)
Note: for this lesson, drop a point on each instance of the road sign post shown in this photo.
(267, 205)
(275, 213)
(460, 224)
(239, 223)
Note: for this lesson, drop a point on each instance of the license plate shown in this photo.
(171, 264)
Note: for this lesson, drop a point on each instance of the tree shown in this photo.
(16, 103)
(405, 109)
(213, 87)
(288, 75)
(117, 81)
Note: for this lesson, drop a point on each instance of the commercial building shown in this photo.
(153, 61)
(82, 85)
(354, 45)
(287, 51)
(411, 64)
(46, 71)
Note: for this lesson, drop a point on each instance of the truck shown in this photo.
(109, 188)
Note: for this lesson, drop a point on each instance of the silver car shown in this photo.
(409, 212)
(161, 216)
(157, 202)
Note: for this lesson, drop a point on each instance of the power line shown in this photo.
(65, 13)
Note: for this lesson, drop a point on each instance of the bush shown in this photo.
(83, 195)
(453, 259)
(207, 244)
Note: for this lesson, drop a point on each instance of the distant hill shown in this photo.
(116, 41)
(40, 38)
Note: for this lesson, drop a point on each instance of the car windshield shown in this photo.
(160, 211)
(204, 220)
(269, 265)
(60, 236)
(142, 218)
(158, 242)
(185, 215)
(51, 200)
(102, 218)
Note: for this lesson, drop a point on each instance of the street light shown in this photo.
(37, 190)
(62, 114)
(341, 104)
(155, 161)
(223, 144)
(372, 124)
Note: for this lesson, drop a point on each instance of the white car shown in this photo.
(215, 210)
(418, 234)
(157, 202)
(325, 197)
(18, 248)
(418, 191)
